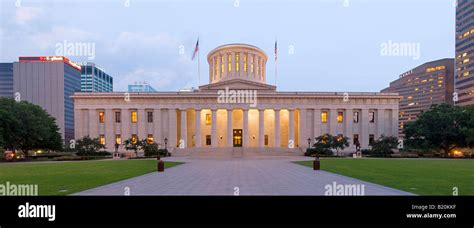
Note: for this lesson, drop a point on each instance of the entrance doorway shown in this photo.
(237, 138)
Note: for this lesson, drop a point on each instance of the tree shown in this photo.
(133, 144)
(88, 146)
(443, 127)
(339, 143)
(385, 145)
(469, 129)
(25, 126)
(323, 144)
(149, 149)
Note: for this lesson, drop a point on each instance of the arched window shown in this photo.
(229, 62)
(237, 62)
(245, 62)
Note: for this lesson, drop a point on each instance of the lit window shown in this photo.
(117, 117)
(208, 119)
(465, 61)
(324, 117)
(245, 62)
(134, 117)
(149, 139)
(216, 68)
(101, 117)
(118, 139)
(251, 64)
(229, 63)
(134, 139)
(102, 139)
(371, 117)
(465, 74)
(356, 117)
(237, 59)
(258, 67)
(340, 117)
(222, 64)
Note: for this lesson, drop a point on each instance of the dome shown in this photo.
(237, 61)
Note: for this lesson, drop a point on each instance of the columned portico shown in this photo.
(270, 122)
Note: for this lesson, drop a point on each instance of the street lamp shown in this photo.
(309, 142)
(166, 143)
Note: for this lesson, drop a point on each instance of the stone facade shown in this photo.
(198, 121)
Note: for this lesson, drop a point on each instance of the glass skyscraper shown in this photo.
(6, 80)
(140, 87)
(465, 52)
(94, 79)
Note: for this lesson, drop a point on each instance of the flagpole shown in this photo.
(199, 69)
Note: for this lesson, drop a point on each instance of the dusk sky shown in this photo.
(323, 45)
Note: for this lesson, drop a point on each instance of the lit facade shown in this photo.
(211, 120)
(420, 88)
(465, 52)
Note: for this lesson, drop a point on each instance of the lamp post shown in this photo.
(166, 143)
(309, 142)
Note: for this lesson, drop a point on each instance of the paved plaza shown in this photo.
(230, 176)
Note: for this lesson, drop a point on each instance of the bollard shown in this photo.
(161, 164)
(316, 163)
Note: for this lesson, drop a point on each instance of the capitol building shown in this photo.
(236, 114)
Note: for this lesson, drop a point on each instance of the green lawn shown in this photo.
(419, 176)
(63, 178)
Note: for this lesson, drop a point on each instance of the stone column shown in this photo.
(349, 119)
(317, 123)
(394, 121)
(261, 128)
(364, 135)
(142, 123)
(333, 122)
(291, 126)
(277, 128)
(303, 129)
(157, 127)
(245, 124)
(184, 128)
(109, 130)
(172, 128)
(230, 142)
(126, 124)
(214, 142)
(197, 133)
(93, 123)
(380, 123)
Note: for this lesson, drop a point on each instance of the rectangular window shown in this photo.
(134, 117)
(371, 117)
(356, 117)
(134, 139)
(324, 117)
(150, 117)
(340, 117)
(208, 119)
(208, 140)
(118, 139)
(117, 117)
(356, 139)
(266, 140)
(149, 139)
(237, 62)
(101, 117)
(371, 139)
(102, 139)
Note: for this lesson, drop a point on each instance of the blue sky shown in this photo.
(336, 43)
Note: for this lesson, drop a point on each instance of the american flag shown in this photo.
(276, 51)
(196, 49)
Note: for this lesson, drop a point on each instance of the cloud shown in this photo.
(159, 79)
(25, 14)
(132, 40)
(48, 40)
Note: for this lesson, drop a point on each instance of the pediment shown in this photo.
(238, 84)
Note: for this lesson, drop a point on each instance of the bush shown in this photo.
(318, 151)
(93, 154)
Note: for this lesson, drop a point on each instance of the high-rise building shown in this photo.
(6, 80)
(420, 88)
(49, 81)
(94, 79)
(140, 87)
(465, 52)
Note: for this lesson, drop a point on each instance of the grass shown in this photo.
(419, 176)
(63, 178)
